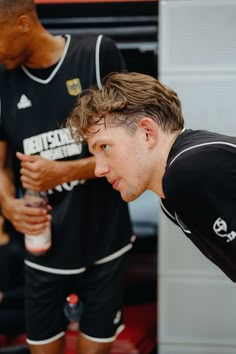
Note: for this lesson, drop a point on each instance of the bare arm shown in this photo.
(39, 173)
(26, 220)
(7, 188)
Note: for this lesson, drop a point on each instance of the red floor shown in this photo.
(138, 337)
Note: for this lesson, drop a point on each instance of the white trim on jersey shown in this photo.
(167, 211)
(181, 224)
(57, 67)
(97, 61)
(200, 145)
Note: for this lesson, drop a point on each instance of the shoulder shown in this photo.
(200, 165)
(100, 45)
(89, 45)
(195, 147)
(108, 45)
(182, 174)
(92, 41)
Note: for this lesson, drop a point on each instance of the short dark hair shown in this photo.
(11, 8)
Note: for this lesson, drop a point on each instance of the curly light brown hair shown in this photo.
(122, 101)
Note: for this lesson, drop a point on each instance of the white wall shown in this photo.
(197, 58)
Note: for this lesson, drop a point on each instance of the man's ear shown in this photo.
(150, 129)
(24, 23)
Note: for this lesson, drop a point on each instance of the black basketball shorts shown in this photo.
(100, 288)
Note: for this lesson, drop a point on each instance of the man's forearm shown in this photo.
(39, 173)
(78, 169)
(7, 187)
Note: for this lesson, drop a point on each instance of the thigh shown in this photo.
(86, 346)
(102, 295)
(44, 300)
(55, 347)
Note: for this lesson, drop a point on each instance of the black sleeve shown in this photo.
(201, 187)
(111, 59)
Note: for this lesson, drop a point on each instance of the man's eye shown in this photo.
(105, 147)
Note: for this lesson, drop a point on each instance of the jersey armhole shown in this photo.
(97, 61)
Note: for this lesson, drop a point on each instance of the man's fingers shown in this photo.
(34, 229)
(36, 212)
(26, 158)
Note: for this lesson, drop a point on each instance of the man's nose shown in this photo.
(101, 168)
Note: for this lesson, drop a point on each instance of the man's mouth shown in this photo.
(114, 183)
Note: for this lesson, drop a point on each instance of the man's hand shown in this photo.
(38, 173)
(27, 220)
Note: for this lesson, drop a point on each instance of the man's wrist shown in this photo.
(6, 202)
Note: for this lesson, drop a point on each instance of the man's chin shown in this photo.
(128, 197)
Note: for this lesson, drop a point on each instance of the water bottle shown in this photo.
(73, 308)
(37, 244)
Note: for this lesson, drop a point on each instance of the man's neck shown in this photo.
(46, 52)
(162, 150)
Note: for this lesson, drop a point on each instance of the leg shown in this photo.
(45, 320)
(86, 346)
(101, 319)
(55, 347)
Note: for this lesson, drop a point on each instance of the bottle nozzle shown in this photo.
(72, 299)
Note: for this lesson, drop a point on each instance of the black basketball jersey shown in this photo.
(89, 219)
(200, 189)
